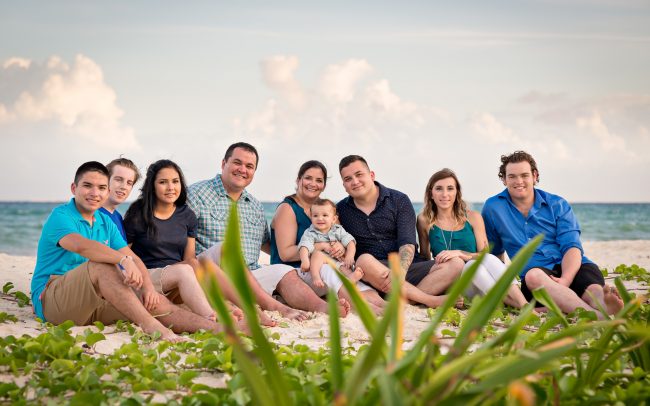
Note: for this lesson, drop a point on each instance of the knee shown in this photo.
(185, 270)
(456, 265)
(535, 278)
(594, 289)
(365, 260)
(98, 270)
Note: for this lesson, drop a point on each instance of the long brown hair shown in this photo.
(430, 210)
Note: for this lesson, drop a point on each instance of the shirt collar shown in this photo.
(72, 208)
(384, 192)
(539, 198)
(221, 190)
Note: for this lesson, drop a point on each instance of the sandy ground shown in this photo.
(313, 332)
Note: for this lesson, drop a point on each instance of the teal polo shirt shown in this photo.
(52, 259)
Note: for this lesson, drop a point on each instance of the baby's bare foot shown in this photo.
(356, 275)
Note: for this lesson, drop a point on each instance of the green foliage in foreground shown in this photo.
(498, 355)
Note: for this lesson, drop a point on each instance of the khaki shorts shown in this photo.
(73, 297)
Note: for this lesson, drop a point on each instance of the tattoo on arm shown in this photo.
(406, 253)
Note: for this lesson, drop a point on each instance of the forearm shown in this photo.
(146, 278)
(98, 252)
(304, 254)
(571, 262)
(350, 251)
(406, 254)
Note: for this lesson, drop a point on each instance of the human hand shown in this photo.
(444, 256)
(561, 281)
(131, 273)
(150, 298)
(337, 250)
(304, 265)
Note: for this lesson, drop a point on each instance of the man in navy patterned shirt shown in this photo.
(382, 220)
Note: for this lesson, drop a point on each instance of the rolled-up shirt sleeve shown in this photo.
(308, 239)
(568, 229)
(343, 236)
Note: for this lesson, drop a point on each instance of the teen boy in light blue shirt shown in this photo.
(85, 272)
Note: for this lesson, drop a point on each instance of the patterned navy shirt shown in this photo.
(390, 225)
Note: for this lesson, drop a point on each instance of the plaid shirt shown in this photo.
(211, 204)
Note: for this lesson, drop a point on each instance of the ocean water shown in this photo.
(21, 222)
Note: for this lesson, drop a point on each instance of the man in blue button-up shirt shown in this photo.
(521, 212)
(382, 220)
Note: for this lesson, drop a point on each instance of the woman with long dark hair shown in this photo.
(448, 229)
(161, 230)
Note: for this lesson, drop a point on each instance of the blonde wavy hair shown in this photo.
(430, 210)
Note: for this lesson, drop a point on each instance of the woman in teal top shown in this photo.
(447, 229)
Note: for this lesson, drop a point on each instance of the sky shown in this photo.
(413, 86)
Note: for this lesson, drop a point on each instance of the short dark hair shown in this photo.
(324, 202)
(313, 164)
(127, 163)
(90, 166)
(515, 157)
(245, 146)
(351, 159)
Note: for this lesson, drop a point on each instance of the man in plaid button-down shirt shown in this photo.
(211, 199)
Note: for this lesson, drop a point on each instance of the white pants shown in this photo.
(487, 274)
(268, 276)
(330, 279)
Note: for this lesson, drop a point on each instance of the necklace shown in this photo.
(451, 236)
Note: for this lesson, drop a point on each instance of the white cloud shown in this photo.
(278, 73)
(340, 107)
(339, 81)
(595, 126)
(75, 96)
(492, 130)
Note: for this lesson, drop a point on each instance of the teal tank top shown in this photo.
(462, 239)
(303, 222)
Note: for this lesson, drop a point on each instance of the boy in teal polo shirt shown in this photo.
(85, 272)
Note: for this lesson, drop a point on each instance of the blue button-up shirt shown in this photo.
(507, 229)
(390, 225)
(52, 259)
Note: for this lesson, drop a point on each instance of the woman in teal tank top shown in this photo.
(447, 229)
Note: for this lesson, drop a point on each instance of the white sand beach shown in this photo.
(313, 332)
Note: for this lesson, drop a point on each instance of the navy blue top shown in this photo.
(390, 225)
(117, 219)
(508, 230)
(168, 247)
(303, 224)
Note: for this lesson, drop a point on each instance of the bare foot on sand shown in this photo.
(265, 320)
(356, 275)
(344, 307)
(166, 334)
(613, 299)
(293, 314)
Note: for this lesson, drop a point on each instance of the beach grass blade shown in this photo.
(363, 310)
(480, 313)
(427, 335)
(232, 261)
(260, 390)
(336, 368)
(374, 355)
